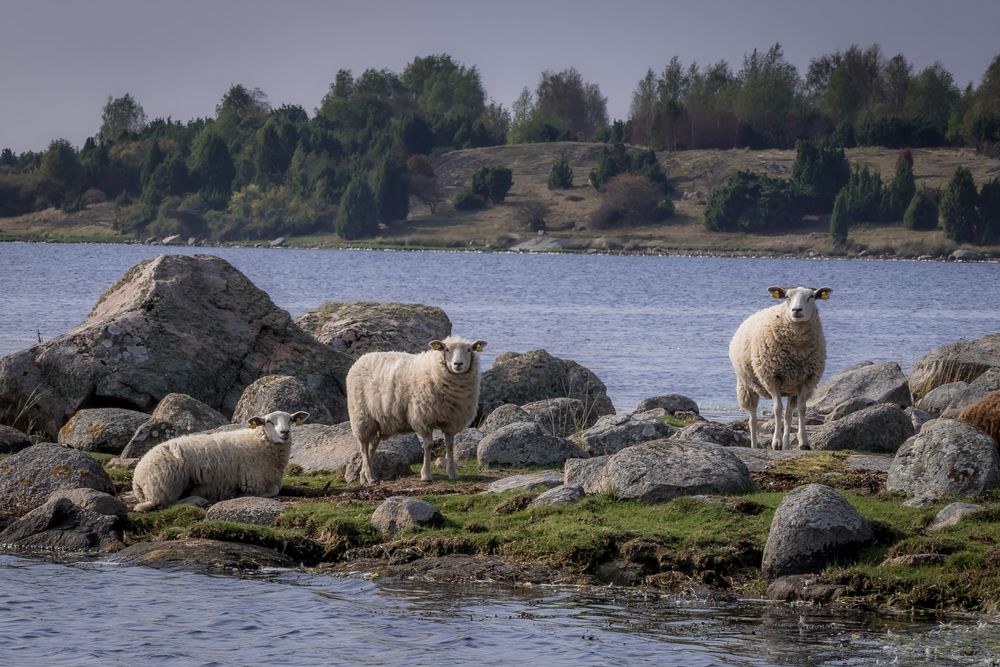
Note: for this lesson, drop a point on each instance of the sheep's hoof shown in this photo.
(805, 447)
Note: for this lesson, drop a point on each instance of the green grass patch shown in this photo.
(145, 526)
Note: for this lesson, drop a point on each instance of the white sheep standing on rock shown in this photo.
(397, 392)
(780, 351)
(219, 465)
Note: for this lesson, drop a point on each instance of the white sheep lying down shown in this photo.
(215, 466)
(780, 351)
(397, 392)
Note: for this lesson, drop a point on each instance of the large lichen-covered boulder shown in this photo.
(176, 323)
(978, 389)
(29, 477)
(280, 392)
(104, 430)
(948, 458)
(502, 415)
(813, 526)
(561, 417)
(879, 428)
(716, 433)
(881, 383)
(524, 444)
(61, 526)
(95, 501)
(151, 433)
(962, 361)
(357, 327)
(399, 513)
(325, 448)
(187, 414)
(659, 471)
(613, 433)
(537, 375)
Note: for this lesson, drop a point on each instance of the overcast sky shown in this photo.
(59, 61)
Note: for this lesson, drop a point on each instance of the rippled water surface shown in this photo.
(644, 325)
(108, 615)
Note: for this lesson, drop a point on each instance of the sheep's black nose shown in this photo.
(459, 364)
(797, 311)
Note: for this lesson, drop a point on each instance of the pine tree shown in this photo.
(392, 190)
(840, 221)
(958, 207)
(561, 174)
(922, 213)
(902, 188)
(357, 216)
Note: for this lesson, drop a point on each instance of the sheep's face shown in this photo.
(278, 425)
(459, 354)
(800, 302)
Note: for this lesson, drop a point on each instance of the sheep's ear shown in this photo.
(255, 422)
(437, 345)
(300, 417)
(823, 293)
(777, 292)
(479, 345)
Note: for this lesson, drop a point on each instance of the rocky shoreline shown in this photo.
(600, 247)
(896, 506)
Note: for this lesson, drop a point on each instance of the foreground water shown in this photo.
(644, 325)
(101, 614)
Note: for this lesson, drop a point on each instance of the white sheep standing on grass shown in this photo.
(780, 351)
(397, 392)
(219, 465)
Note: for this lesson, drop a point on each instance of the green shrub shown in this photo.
(467, 200)
(531, 215)
(840, 221)
(492, 183)
(922, 213)
(900, 192)
(561, 174)
(989, 213)
(823, 170)
(630, 199)
(863, 196)
(392, 190)
(357, 217)
(748, 201)
(958, 207)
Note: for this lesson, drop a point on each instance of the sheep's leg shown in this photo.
(365, 476)
(425, 470)
(752, 408)
(449, 455)
(779, 417)
(786, 440)
(803, 436)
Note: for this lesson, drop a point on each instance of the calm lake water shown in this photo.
(100, 615)
(644, 325)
